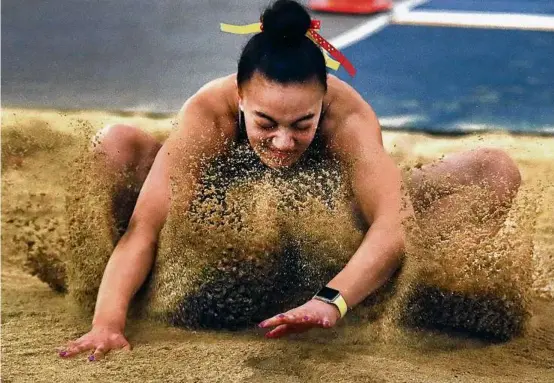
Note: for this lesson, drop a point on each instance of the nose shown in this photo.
(283, 141)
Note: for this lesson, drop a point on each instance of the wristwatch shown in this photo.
(333, 297)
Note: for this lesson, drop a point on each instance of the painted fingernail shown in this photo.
(62, 353)
(91, 358)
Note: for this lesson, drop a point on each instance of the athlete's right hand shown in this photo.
(99, 341)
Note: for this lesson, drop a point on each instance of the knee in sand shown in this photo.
(497, 171)
(126, 147)
(120, 144)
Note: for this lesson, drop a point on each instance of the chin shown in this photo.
(277, 163)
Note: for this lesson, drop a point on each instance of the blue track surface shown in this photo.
(510, 6)
(450, 80)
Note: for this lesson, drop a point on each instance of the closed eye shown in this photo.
(294, 124)
(266, 125)
(302, 127)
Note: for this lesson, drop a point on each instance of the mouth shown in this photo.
(280, 154)
(278, 158)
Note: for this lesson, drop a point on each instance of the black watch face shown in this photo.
(328, 293)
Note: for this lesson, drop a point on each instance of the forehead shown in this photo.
(284, 100)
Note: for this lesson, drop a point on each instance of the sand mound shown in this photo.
(44, 246)
(20, 141)
(35, 321)
(468, 280)
(256, 242)
(39, 231)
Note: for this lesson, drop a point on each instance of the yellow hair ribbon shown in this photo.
(241, 29)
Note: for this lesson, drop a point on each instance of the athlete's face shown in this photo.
(281, 119)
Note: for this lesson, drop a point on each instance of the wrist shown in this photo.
(113, 327)
(334, 298)
(112, 323)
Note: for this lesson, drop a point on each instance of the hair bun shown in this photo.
(286, 19)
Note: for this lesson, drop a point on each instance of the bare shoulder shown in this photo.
(215, 102)
(348, 116)
(343, 98)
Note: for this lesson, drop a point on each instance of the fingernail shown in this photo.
(91, 358)
(281, 316)
(262, 324)
(326, 323)
(62, 353)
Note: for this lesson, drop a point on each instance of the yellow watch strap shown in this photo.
(341, 305)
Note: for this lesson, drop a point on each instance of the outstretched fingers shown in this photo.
(98, 353)
(287, 329)
(98, 347)
(294, 324)
(288, 318)
(75, 348)
(279, 331)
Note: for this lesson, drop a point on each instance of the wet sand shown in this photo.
(36, 320)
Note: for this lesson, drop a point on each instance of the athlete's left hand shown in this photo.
(313, 313)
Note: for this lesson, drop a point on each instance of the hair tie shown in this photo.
(333, 63)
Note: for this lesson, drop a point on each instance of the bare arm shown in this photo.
(197, 137)
(133, 256)
(377, 187)
(355, 136)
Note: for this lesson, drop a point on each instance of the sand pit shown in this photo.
(40, 148)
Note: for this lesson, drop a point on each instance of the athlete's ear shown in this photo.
(239, 94)
(240, 104)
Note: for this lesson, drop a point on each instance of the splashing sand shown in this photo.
(482, 285)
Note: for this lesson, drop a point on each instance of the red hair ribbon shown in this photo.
(334, 52)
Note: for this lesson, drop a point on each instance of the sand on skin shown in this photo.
(36, 320)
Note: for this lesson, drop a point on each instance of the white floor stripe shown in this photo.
(399, 122)
(476, 20)
(374, 25)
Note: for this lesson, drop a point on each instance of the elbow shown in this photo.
(396, 233)
(393, 234)
(401, 249)
(396, 253)
(398, 245)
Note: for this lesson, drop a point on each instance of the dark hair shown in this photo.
(282, 52)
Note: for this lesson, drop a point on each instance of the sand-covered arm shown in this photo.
(376, 183)
(354, 135)
(198, 137)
